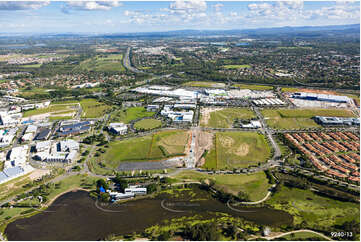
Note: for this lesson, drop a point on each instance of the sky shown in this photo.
(148, 16)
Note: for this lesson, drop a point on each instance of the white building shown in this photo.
(118, 128)
(69, 145)
(7, 136)
(43, 146)
(18, 155)
(27, 137)
(177, 116)
(65, 151)
(31, 129)
(7, 119)
(136, 190)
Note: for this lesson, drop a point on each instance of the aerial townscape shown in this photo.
(180, 120)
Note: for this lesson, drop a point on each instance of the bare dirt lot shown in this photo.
(204, 141)
(38, 173)
(206, 114)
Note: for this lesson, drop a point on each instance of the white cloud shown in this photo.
(341, 10)
(295, 11)
(188, 6)
(19, 5)
(90, 5)
(218, 6)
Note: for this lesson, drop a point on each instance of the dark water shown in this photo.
(75, 216)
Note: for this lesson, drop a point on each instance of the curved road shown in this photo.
(259, 201)
(296, 231)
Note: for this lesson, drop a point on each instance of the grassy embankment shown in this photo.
(315, 211)
(157, 146)
(256, 185)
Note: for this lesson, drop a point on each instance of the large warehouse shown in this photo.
(321, 97)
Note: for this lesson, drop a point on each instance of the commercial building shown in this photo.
(152, 108)
(75, 128)
(177, 116)
(336, 120)
(43, 134)
(64, 151)
(18, 156)
(253, 124)
(13, 172)
(321, 97)
(7, 136)
(118, 128)
(136, 190)
(7, 119)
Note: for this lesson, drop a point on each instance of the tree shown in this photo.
(202, 232)
(152, 188)
(105, 197)
(102, 183)
(122, 183)
(243, 196)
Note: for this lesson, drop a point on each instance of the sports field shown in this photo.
(54, 109)
(255, 185)
(158, 146)
(299, 118)
(130, 114)
(28, 93)
(93, 108)
(146, 124)
(103, 63)
(204, 84)
(223, 117)
(317, 211)
(253, 87)
(236, 66)
(237, 150)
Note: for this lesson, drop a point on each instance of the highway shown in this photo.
(126, 62)
(277, 152)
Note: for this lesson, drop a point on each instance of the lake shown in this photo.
(75, 216)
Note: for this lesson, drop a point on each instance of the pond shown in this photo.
(75, 216)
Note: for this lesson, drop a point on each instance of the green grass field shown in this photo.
(130, 114)
(93, 108)
(255, 185)
(237, 150)
(236, 66)
(32, 66)
(316, 211)
(151, 147)
(299, 118)
(203, 84)
(56, 118)
(224, 118)
(53, 109)
(103, 63)
(253, 87)
(34, 91)
(147, 124)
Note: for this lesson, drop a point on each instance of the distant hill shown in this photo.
(307, 30)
